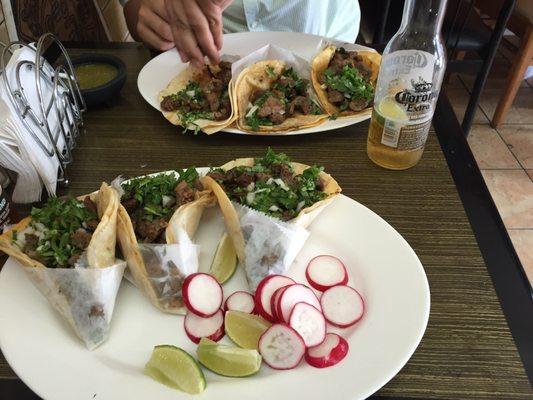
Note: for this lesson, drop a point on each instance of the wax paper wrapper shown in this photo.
(271, 245)
(167, 266)
(85, 297)
(272, 52)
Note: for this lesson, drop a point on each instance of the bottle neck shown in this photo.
(423, 16)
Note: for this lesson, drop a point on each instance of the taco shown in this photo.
(272, 97)
(275, 186)
(157, 213)
(68, 250)
(345, 80)
(199, 98)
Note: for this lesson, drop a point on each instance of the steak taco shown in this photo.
(272, 97)
(199, 98)
(68, 250)
(345, 80)
(273, 185)
(156, 211)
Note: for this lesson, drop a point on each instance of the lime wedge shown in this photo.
(224, 262)
(390, 109)
(228, 360)
(176, 368)
(245, 329)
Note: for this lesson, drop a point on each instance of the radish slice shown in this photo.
(330, 352)
(291, 296)
(342, 306)
(281, 347)
(202, 294)
(198, 327)
(309, 323)
(325, 271)
(240, 301)
(265, 291)
(274, 303)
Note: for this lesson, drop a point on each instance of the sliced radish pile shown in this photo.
(326, 271)
(202, 294)
(309, 323)
(265, 291)
(342, 306)
(331, 351)
(281, 347)
(240, 301)
(198, 327)
(292, 295)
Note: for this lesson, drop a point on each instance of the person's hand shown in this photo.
(196, 27)
(147, 21)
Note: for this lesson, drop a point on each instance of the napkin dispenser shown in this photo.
(40, 115)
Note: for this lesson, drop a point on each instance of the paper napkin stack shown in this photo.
(21, 139)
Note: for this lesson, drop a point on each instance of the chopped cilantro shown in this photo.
(350, 83)
(14, 235)
(270, 71)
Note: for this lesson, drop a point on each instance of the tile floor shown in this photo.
(505, 154)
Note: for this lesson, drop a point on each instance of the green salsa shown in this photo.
(91, 75)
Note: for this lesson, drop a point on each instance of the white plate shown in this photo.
(159, 71)
(46, 355)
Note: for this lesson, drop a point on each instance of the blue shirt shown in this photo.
(337, 19)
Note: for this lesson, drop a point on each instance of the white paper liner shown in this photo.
(167, 266)
(272, 52)
(271, 245)
(85, 297)
(337, 43)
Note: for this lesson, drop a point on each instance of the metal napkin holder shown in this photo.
(66, 100)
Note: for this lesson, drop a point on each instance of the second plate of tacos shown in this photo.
(345, 80)
(200, 98)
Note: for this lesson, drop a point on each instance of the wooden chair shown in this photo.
(521, 24)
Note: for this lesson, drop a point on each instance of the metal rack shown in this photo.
(66, 101)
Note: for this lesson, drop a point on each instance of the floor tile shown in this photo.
(519, 112)
(497, 78)
(512, 191)
(523, 244)
(459, 98)
(489, 149)
(520, 141)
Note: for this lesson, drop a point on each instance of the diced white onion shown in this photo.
(251, 111)
(270, 180)
(167, 200)
(190, 93)
(300, 205)
(250, 187)
(250, 197)
(274, 208)
(281, 184)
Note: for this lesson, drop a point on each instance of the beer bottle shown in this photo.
(408, 85)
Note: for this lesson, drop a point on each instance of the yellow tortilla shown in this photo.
(186, 217)
(179, 82)
(320, 64)
(304, 218)
(101, 249)
(255, 77)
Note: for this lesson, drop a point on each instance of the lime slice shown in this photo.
(390, 109)
(245, 329)
(225, 260)
(176, 368)
(228, 360)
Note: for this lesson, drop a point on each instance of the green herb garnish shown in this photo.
(270, 71)
(349, 82)
(60, 219)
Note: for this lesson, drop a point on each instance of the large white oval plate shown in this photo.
(159, 71)
(47, 356)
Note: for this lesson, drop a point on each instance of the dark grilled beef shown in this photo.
(150, 231)
(80, 239)
(184, 193)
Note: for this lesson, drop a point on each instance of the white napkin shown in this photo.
(39, 167)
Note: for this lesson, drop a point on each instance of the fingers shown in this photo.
(213, 14)
(154, 30)
(191, 32)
